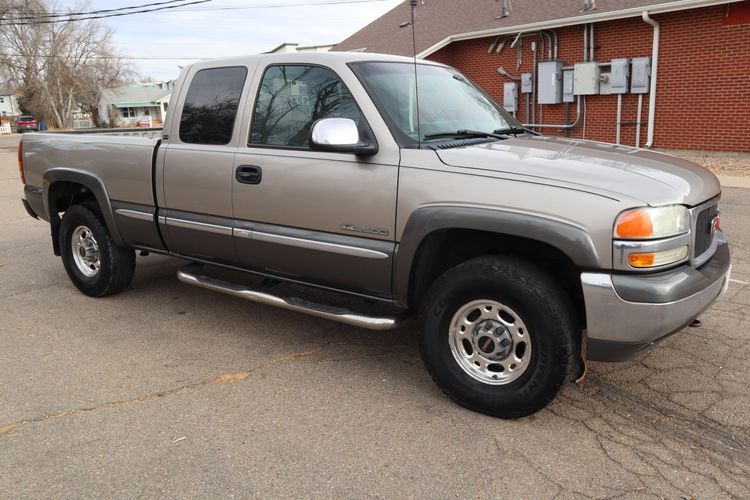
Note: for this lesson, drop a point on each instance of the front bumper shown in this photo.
(627, 314)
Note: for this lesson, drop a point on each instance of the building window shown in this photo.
(146, 111)
(2, 100)
(125, 112)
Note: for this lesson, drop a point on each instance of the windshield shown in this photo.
(448, 101)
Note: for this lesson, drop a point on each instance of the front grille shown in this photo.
(703, 235)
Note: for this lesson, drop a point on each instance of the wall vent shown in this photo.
(505, 8)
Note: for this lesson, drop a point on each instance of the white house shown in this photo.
(135, 103)
(8, 103)
(294, 47)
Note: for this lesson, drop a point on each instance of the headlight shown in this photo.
(652, 223)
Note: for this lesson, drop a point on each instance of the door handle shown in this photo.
(248, 174)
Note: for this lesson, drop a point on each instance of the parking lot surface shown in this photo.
(172, 391)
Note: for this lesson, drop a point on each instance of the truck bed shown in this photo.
(123, 163)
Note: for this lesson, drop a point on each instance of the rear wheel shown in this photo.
(94, 263)
(498, 336)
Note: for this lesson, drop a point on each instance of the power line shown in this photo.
(144, 58)
(103, 16)
(277, 6)
(210, 9)
(92, 12)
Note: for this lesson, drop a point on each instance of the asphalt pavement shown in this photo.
(170, 391)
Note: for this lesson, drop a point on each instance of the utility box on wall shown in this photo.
(568, 95)
(527, 83)
(510, 97)
(586, 78)
(549, 89)
(618, 77)
(640, 81)
(605, 84)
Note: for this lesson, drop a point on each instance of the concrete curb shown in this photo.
(733, 181)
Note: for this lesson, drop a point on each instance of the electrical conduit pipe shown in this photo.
(652, 90)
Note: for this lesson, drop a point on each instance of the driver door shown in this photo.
(316, 217)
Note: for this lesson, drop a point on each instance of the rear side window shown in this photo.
(211, 106)
(291, 98)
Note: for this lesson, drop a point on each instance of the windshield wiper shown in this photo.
(514, 131)
(464, 133)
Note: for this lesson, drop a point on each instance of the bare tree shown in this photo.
(57, 66)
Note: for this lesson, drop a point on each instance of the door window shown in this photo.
(211, 104)
(291, 98)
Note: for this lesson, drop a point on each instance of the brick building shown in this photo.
(699, 54)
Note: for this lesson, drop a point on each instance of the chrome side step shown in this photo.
(190, 274)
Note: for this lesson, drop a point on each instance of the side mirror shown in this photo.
(340, 135)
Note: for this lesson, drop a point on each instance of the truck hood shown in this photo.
(607, 169)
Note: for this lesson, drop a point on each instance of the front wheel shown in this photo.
(498, 336)
(94, 263)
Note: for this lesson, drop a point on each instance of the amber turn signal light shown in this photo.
(635, 224)
(657, 259)
(641, 259)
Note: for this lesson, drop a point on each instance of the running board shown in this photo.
(190, 274)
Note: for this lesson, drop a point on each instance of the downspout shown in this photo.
(534, 87)
(652, 90)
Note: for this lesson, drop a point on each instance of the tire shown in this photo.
(520, 329)
(94, 263)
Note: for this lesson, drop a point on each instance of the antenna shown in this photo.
(412, 5)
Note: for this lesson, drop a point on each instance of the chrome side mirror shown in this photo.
(340, 135)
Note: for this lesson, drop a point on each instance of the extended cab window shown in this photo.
(211, 105)
(292, 98)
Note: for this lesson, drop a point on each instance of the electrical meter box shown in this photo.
(527, 84)
(605, 84)
(568, 95)
(549, 86)
(510, 97)
(618, 77)
(586, 78)
(640, 80)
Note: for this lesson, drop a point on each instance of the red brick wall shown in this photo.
(703, 83)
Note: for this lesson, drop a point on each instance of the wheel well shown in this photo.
(62, 195)
(442, 250)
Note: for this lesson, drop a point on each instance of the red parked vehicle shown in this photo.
(26, 123)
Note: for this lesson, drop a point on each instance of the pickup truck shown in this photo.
(402, 184)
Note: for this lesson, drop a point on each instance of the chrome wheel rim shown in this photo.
(490, 342)
(85, 250)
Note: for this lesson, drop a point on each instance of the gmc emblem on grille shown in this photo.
(715, 224)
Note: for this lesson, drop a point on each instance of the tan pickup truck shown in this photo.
(516, 251)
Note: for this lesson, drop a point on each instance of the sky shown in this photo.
(221, 28)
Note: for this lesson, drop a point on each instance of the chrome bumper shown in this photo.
(620, 329)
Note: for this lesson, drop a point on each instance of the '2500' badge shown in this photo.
(364, 229)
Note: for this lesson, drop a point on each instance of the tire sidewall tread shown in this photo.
(117, 264)
(539, 301)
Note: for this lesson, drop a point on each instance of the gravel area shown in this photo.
(721, 164)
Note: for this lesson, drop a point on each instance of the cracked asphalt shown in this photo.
(171, 391)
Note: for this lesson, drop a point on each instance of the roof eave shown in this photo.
(590, 17)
